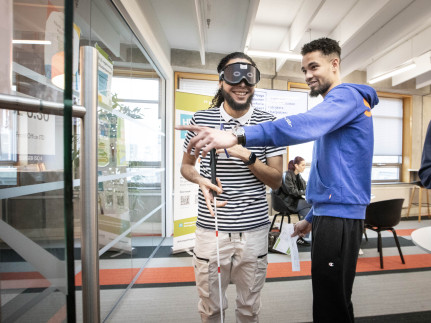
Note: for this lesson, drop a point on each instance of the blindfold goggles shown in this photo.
(234, 74)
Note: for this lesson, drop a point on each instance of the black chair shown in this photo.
(279, 205)
(382, 216)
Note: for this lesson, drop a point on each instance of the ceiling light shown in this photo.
(275, 54)
(396, 71)
(31, 42)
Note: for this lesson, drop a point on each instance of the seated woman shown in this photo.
(294, 188)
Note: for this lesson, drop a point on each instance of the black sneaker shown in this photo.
(302, 242)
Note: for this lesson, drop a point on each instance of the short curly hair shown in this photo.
(327, 46)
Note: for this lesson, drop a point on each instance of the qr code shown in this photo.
(185, 200)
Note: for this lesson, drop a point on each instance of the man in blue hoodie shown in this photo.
(339, 185)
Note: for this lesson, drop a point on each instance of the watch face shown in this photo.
(239, 131)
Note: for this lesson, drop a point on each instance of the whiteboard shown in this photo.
(280, 103)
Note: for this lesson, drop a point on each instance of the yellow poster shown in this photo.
(186, 193)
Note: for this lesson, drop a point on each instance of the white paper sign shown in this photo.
(287, 245)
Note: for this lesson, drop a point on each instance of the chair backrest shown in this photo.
(385, 213)
(278, 203)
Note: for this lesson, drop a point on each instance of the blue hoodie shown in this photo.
(339, 184)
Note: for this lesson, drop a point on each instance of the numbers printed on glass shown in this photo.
(38, 116)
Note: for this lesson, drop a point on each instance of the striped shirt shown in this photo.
(247, 208)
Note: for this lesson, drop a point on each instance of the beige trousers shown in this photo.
(243, 261)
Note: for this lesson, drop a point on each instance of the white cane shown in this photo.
(214, 181)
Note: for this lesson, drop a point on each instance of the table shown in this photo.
(422, 238)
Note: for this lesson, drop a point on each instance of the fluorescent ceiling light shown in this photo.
(31, 42)
(274, 54)
(396, 71)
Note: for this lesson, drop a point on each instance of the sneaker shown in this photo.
(302, 242)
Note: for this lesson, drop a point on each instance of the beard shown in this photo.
(320, 90)
(233, 104)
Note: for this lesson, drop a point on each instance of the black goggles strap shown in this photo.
(236, 72)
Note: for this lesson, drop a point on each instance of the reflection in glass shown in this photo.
(32, 246)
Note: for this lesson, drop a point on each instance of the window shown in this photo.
(388, 140)
(139, 99)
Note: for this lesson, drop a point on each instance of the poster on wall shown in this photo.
(186, 193)
(105, 71)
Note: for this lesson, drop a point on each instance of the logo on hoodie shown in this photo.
(368, 111)
(288, 121)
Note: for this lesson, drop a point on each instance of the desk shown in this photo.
(422, 238)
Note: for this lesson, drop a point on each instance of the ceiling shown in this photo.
(376, 36)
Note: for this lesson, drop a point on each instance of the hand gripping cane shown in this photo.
(213, 162)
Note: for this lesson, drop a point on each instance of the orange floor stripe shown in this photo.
(393, 262)
(404, 232)
(277, 270)
(165, 275)
(24, 283)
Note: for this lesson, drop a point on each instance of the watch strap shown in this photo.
(251, 159)
(241, 139)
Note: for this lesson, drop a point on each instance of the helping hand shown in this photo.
(208, 138)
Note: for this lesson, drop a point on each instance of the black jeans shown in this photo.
(334, 254)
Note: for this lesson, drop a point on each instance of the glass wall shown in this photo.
(131, 142)
(131, 167)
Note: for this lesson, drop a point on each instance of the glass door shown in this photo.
(34, 259)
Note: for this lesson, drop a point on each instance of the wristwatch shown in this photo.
(239, 133)
(251, 159)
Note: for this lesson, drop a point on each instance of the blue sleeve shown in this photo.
(309, 216)
(425, 170)
(339, 108)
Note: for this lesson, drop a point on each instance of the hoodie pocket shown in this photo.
(323, 193)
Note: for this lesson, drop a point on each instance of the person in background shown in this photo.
(425, 170)
(339, 185)
(242, 210)
(293, 189)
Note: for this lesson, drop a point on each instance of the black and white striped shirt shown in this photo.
(247, 208)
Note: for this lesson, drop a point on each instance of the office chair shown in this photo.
(279, 205)
(382, 216)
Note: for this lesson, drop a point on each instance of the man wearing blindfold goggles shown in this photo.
(242, 209)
